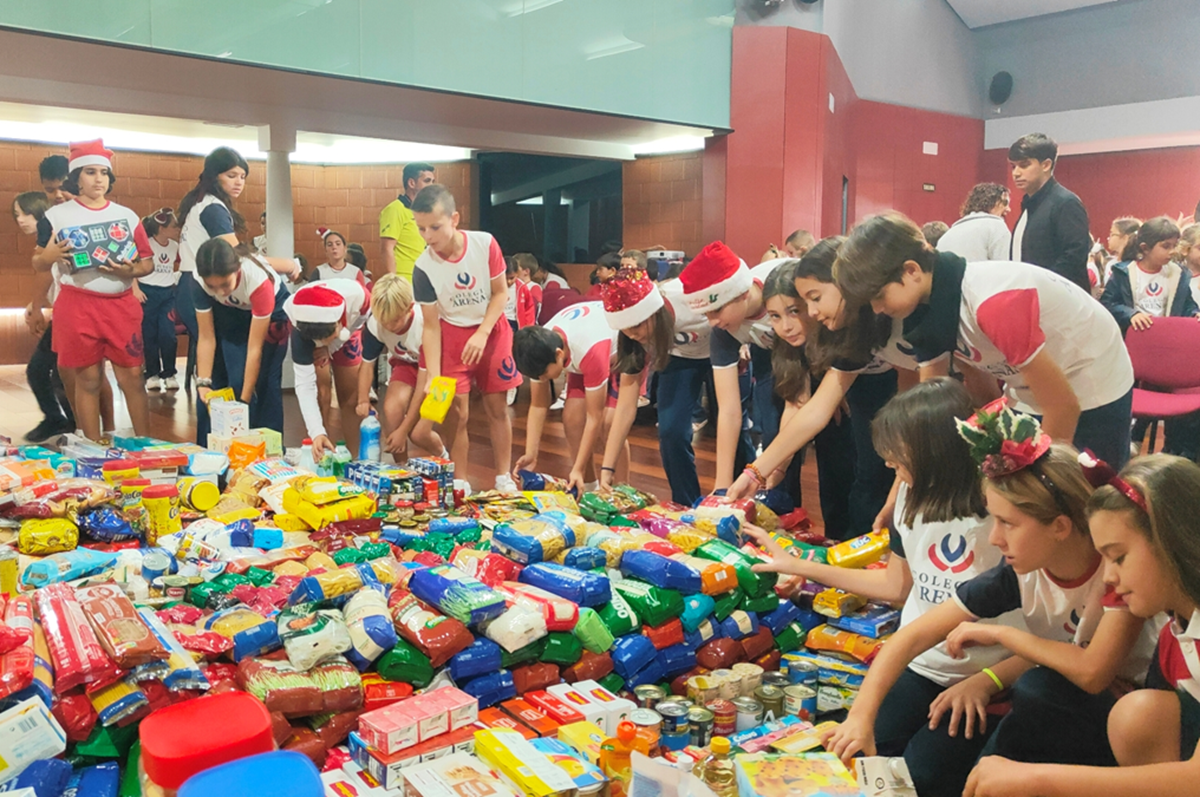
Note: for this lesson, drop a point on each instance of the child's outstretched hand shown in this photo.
(998, 777)
(781, 560)
(473, 350)
(854, 735)
(972, 635)
(1141, 321)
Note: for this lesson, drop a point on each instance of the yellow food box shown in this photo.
(354, 508)
(288, 522)
(805, 740)
(586, 737)
(439, 398)
(836, 603)
(272, 438)
(521, 765)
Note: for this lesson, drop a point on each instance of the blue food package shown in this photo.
(106, 525)
(281, 773)
(452, 525)
(728, 527)
(182, 670)
(66, 566)
(652, 673)
(676, 660)
(873, 621)
(696, 609)
(241, 533)
(536, 539)
(482, 657)
(397, 537)
(739, 625)
(456, 594)
(252, 634)
(491, 689)
(585, 558)
(369, 622)
(706, 632)
(585, 589)
(101, 780)
(47, 778)
(656, 569)
(630, 653)
(781, 618)
(268, 539)
(831, 671)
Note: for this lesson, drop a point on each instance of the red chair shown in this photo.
(1166, 370)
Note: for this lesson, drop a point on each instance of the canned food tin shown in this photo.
(800, 701)
(649, 725)
(700, 726)
(702, 689)
(771, 698)
(154, 565)
(751, 677)
(776, 678)
(157, 588)
(803, 673)
(730, 683)
(674, 717)
(749, 713)
(649, 695)
(724, 717)
(677, 740)
(175, 593)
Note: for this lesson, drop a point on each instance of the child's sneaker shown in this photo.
(512, 395)
(505, 483)
(153, 383)
(170, 383)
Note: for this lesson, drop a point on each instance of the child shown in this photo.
(98, 317)
(1144, 523)
(634, 259)
(1120, 236)
(606, 268)
(1082, 644)
(796, 246)
(459, 279)
(1150, 285)
(939, 541)
(336, 266)
(719, 285)
(580, 343)
(327, 322)
(659, 332)
(529, 293)
(243, 332)
(1056, 349)
(1189, 256)
(156, 292)
(395, 326)
(549, 274)
(510, 304)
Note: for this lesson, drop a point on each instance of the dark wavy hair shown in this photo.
(219, 161)
(983, 198)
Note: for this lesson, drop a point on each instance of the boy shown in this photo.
(633, 258)
(459, 281)
(719, 285)
(606, 268)
(529, 293)
(327, 320)
(97, 317)
(580, 343)
(1058, 351)
(796, 246)
(395, 326)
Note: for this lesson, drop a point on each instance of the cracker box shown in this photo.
(272, 439)
(389, 769)
(28, 733)
(455, 775)
(461, 709)
(229, 418)
(389, 729)
(521, 765)
(495, 718)
(834, 698)
(804, 741)
(770, 775)
(532, 716)
(351, 780)
(873, 621)
(616, 708)
(587, 776)
(592, 711)
(554, 707)
(585, 737)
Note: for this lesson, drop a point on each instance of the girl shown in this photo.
(243, 332)
(839, 346)
(1144, 523)
(1057, 351)
(547, 273)
(657, 331)
(336, 265)
(939, 540)
(1149, 285)
(529, 290)
(1082, 643)
(1120, 236)
(1189, 257)
(156, 292)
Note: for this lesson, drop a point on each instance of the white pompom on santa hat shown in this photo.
(323, 232)
(89, 153)
(316, 304)
(714, 278)
(630, 298)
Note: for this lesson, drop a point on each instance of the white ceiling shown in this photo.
(978, 13)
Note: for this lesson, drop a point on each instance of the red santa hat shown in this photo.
(714, 278)
(89, 153)
(316, 304)
(630, 298)
(323, 232)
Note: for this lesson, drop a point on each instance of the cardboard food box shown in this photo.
(770, 775)
(521, 765)
(456, 775)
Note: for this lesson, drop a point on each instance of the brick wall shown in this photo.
(662, 202)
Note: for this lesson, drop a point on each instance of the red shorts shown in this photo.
(350, 353)
(404, 371)
(496, 370)
(93, 327)
(576, 389)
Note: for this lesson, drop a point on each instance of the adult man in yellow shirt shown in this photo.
(399, 240)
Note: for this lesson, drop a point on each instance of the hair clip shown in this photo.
(1002, 441)
(163, 216)
(1099, 473)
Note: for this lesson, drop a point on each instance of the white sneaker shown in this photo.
(170, 383)
(505, 484)
(557, 405)
(153, 383)
(512, 395)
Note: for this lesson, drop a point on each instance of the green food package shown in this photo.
(766, 603)
(198, 595)
(349, 556)
(619, 616)
(654, 605)
(622, 522)
(531, 652)
(108, 742)
(259, 577)
(227, 581)
(724, 605)
(753, 584)
(406, 664)
(592, 632)
(130, 785)
(595, 507)
(469, 536)
(613, 683)
(790, 638)
(562, 648)
(375, 550)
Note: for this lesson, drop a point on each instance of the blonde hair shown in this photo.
(391, 298)
(1189, 236)
(1052, 486)
(637, 256)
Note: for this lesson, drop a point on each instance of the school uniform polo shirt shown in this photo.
(590, 343)
(460, 288)
(693, 334)
(727, 344)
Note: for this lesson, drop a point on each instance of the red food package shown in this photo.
(286, 583)
(16, 666)
(379, 692)
(747, 505)
(180, 613)
(669, 506)
(492, 569)
(662, 548)
(720, 654)
(769, 661)
(590, 667)
(335, 759)
(665, 635)
(77, 655)
(428, 559)
(354, 528)
(679, 685)
(435, 635)
(221, 677)
(306, 742)
(532, 677)
(76, 714)
(334, 730)
(125, 638)
(207, 643)
(157, 695)
(760, 643)
(281, 729)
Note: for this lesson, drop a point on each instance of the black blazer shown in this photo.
(1056, 233)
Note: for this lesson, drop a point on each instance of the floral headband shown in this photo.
(1003, 441)
(1099, 473)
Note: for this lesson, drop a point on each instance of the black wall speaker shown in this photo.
(1001, 88)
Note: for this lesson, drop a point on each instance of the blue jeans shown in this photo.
(680, 386)
(767, 407)
(229, 369)
(1105, 430)
(872, 479)
(158, 330)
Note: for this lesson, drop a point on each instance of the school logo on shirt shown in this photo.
(507, 369)
(1154, 289)
(684, 338)
(1072, 625)
(905, 348)
(576, 312)
(951, 554)
(464, 281)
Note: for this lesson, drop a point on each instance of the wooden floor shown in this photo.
(172, 417)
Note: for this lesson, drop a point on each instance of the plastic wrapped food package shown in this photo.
(330, 687)
(751, 583)
(77, 655)
(407, 664)
(437, 636)
(311, 636)
(592, 632)
(40, 537)
(251, 633)
(560, 613)
(17, 665)
(456, 594)
(369, 622)
(519, 626)
(117, 625)
(583, 589)
(538, 539)
(653, 605)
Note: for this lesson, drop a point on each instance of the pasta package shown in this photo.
(251, 633)
(437, 636)
(332, 687)
(458, 595)
(343, 581)
(539, 539)
(120, 629)
(76, 653)
(182, 670)
(311, 636)
(370, 626)
(17, 665)
(752, 583)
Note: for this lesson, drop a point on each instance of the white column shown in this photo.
(279, 142)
